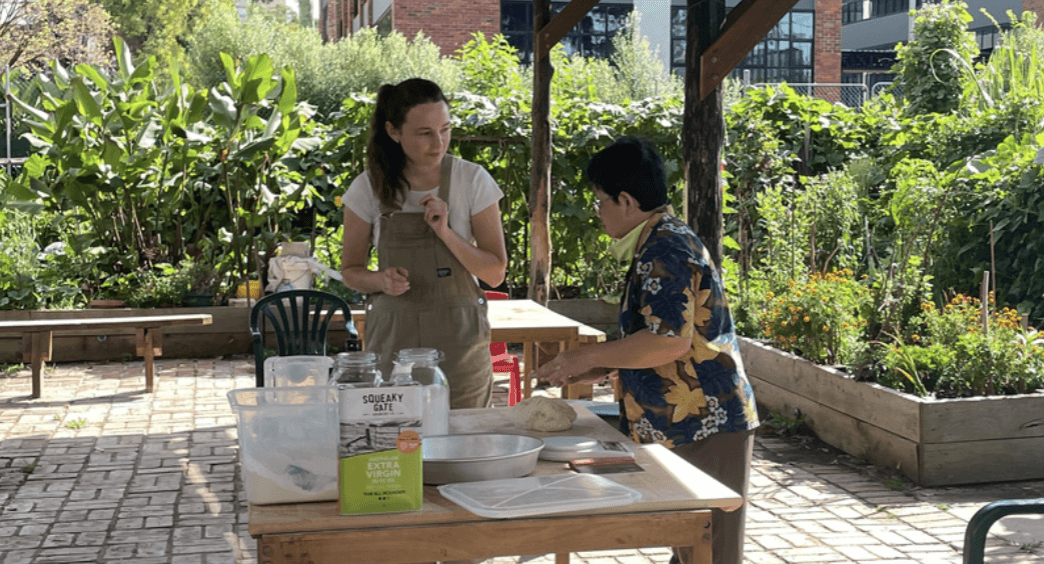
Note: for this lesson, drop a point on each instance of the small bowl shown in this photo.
(473, 458)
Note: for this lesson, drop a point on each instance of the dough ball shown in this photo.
(544, 414)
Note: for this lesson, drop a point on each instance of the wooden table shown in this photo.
(673, 511)
(38, 335)
(531, 324)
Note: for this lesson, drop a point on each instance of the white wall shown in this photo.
(655, 25)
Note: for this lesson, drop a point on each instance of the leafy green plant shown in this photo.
(950, 353)
(823, 318)
(931, 69)
(325, 72)
(32, 277)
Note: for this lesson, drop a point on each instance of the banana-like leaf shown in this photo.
(248, 151)
(92, 74)
(230, 70)
(288, 96)
(85, 102)
(197, 107)
(223, 109)
(39, 114)
(123, 58)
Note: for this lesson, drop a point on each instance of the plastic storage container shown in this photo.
(298, 370)
(287, 443)
(539, 495)
(422, 365)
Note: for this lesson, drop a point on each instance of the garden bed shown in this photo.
(933, 442)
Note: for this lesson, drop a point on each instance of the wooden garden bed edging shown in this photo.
(933, 442)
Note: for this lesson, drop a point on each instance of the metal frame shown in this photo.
(980, 523)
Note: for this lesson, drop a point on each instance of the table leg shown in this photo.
(701, 552)
(39, 351)
(562, 558)
(150, 343)
(528, 358)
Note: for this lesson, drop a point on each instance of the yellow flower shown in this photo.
(337, 201)
(807, 319)
(915, 337)
(826, 328)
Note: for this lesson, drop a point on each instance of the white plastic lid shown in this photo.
(566, 447)
(539, 495)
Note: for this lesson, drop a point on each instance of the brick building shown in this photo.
(803, 48)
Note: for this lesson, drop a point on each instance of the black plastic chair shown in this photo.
(980, 523)
(301, 320)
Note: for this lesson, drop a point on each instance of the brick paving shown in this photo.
(99, 471)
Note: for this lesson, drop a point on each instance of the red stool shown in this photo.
(505, 362)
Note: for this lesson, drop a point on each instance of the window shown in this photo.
(787, 53)
(384, 24)
(990, 37)
(592, 37)
(851, 11)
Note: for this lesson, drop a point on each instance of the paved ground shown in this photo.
(99, 471)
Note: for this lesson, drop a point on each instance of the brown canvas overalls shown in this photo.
(444, 308)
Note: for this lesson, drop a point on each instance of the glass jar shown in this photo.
(358, 368)
(421, 365)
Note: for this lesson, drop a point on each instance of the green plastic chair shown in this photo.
(301, 320)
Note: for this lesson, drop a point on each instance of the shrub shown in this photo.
(932, 68)
(822, 318)
(949, 353)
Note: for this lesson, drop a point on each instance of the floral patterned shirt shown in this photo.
(674, 290)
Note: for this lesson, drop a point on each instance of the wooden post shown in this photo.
(703, 130)
(540, 173)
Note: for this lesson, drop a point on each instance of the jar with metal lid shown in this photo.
(358, 368)
(421, 365)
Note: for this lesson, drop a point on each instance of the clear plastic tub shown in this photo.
(297, 370)
(539, 495)
(288, 443)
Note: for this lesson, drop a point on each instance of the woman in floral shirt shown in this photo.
(679, 365)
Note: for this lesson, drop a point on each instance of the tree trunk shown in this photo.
(540, 174)
(703, 130)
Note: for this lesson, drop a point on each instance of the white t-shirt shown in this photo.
(472, 190)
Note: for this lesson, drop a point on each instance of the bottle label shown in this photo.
(380, 450)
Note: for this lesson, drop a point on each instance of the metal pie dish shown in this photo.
(473, 458)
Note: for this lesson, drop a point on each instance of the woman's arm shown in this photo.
(643, 349)
(355, 258)
(487, 260)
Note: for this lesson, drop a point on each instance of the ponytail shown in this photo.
(385, 160)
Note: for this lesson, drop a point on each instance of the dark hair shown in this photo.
(630, 165)
(385, 160)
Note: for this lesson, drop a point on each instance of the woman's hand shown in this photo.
(395, 281)
(436, 214)
(570, 368)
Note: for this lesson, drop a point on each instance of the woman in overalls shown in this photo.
(435, 222)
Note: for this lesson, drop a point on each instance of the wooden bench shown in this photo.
(37, 337)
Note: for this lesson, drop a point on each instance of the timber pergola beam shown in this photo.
(744, 27)
(559, 26)
(717, 42)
